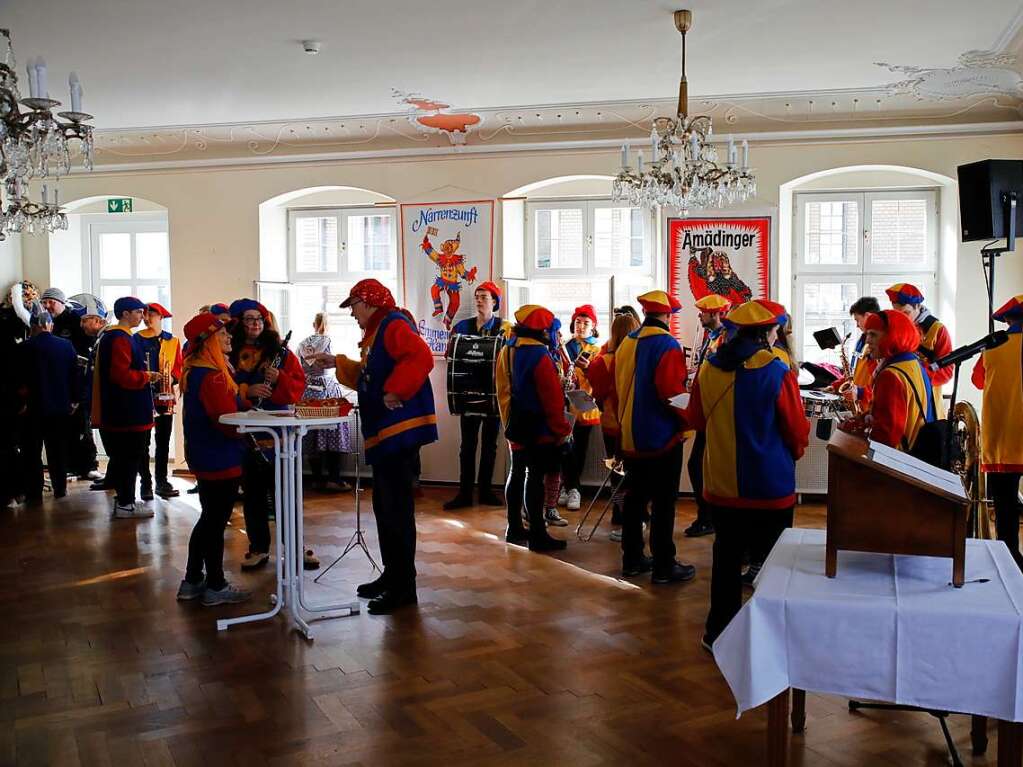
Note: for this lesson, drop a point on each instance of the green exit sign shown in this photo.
(119, 205)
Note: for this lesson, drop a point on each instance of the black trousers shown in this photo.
(695, 467)
(126, 450)
(515, 488)
(51, 431)
(651, 481)
(471, 426)
(12, 474)
(258, 484)
(326, 459)
(81, 446)
(1004, 490)
(575, 461)
(206, 544)
(540, 460)
(395, 511)
(735, 531)
(163, 423)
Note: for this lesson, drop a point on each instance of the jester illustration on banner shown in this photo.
(446, 247)
(728, 257)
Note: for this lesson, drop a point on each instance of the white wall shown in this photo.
(10, 263)
(214, 213)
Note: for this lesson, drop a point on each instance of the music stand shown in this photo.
(358, 539)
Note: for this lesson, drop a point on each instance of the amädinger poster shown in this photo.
(727, 256)
(447, 248)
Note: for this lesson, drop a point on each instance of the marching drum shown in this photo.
(472, 364)
(820, 404)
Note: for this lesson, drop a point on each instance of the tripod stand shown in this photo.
(358, 539)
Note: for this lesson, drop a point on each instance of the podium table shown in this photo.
(891, 628)
(892, 504)
(286, 430)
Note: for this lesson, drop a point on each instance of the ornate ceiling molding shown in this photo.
(979, 74)
(524, 126)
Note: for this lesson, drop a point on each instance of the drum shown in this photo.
(820, 404)
(472, 364)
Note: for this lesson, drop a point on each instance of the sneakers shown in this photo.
(131, 511)
(460, 501)
(94, 475)
(615, 536)
(124, 510)
(698, 529)
(553, 518)
(563, 497)
(750, 576)
(640, 566)
(677, 573)
(575, 500)
(229, 595)
(310, 561)
(188, 591)
(166, 490)
(254, 559)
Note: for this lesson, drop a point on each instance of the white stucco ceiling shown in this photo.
(183, 62)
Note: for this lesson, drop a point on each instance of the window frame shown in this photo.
(589, 268)
(863, 272)
(133, 224)
(342, 213)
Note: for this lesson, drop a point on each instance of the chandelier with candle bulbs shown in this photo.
(684, 171)
(36, 144)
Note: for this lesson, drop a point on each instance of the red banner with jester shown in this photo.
(447, 249)
(729, 257)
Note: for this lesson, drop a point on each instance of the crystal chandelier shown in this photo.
(36, 144)
(684, 171)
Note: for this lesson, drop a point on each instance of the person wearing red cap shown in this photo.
(255, 346)
(162, 352)
(999, 374)
(581, 348)
(934, 343)
(485, 323)
(650, 370)
(398, 417)
(531, 400)
(214, 452)
(122, 404)
(713, 309)
(903, 398)
(746, 401)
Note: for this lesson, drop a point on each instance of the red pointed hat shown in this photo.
(534, 316)
(371, 292)
(905, 294)
(658, 302)
(1011, 310)
(495, 291)
(202, 326)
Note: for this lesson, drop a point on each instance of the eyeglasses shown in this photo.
(252, 320)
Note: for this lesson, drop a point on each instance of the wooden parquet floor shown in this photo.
(511, 658)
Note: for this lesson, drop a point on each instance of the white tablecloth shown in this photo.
(889, 628)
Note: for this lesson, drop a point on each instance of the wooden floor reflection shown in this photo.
(510, 658)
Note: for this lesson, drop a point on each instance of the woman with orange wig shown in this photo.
(903, 398)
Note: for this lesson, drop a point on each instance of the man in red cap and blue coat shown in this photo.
(396, 406)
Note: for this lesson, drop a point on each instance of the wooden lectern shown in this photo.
(875, 508)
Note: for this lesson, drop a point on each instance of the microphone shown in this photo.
(989, 341)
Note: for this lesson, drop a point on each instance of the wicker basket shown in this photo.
(322, 411)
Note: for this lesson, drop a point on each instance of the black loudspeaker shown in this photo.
(981, 186)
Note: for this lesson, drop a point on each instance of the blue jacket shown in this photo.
(51, 374)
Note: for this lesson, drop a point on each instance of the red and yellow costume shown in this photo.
(574, 347)
(903, 397)
(451, 264)
(999, 374)
(252, 362)
(747, 402)
(649, 369)
(934, 342)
